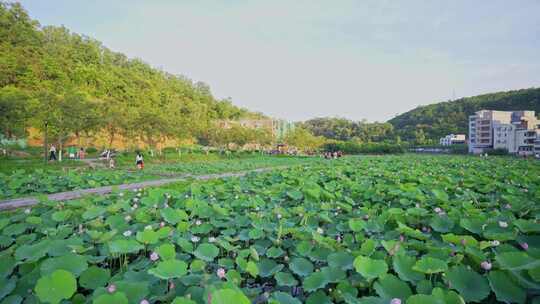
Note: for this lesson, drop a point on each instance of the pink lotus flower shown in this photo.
(154, 256)
(162, 224)
(525, 246)
(395, 301)
(437, 210)
(220, 273)
(144, 301)
(111, 288)
(485, 265)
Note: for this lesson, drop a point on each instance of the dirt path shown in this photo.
(68, 195)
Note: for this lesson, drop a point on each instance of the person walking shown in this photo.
(81, 153)
(139, 161)
(52, 153)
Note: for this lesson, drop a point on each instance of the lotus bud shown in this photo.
(144, 301)
(127, 233)
(27, 211)
(198, 222)
(154, 256)
(503, 224)
(220, 273)
(485, 265)
(395, 301)
(525, 246)
(162, 224)
(495, 243)
(279, 216)
(320, 230)
(111, 288)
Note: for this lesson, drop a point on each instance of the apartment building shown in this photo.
(516, 132)
(452, 139)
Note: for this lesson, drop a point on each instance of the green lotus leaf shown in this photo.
(134, 291)
(228, 296)
(93, 212)
(295, 195)
(169, 269)
(115, 298)
(300, 266)
(430, 265)
(174, 216)
(424, 299)
(342, 260)
(516, 260)
(318, 297)
(357, 225)
(147, 236)
(197, 265)
(315, 281)
(505, 288)
(124, 246)
(73, 263)
(441, 224)
(7, 264)
(206, 252)
(471, 285)
(268, 267)
(183, 300)
(32, 253)
(252, 269)
(403, 265)
(56, 287)
(333, 274)
(274, 252)
(389, 286)
(285, 279)
(94, 277)
(527, 226)
(7, 286)
(370, 268)
(255, 234)
(166, 252)
(60, 216)
(284, 298)
(447, 297)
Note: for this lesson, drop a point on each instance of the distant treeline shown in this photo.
(431, 122)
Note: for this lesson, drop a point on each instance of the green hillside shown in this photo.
(436, 120)
(78, 86)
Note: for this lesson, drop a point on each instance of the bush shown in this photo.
(350, 147)
(496, 151)
(169, 150)
(91, 150)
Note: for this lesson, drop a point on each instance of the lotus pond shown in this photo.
(369, 230)
(42, 181)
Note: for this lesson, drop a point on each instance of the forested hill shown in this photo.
(436, 120)
(79, 86)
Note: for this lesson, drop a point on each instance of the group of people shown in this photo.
(332, 155)
(72, 153)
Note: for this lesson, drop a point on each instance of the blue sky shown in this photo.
(308, 58)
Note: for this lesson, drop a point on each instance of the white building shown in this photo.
(514, 131)
(452, 139)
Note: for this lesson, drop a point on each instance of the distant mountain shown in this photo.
(436, 120)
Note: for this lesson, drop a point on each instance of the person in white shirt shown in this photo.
(139, 161)
(52, 153)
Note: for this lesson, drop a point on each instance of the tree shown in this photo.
(303, 139)
(14, 120)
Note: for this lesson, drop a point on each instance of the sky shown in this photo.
(369, 59)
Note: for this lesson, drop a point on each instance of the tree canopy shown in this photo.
(78, 86)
